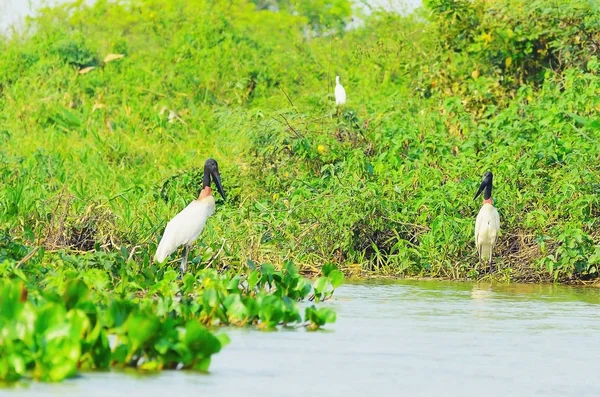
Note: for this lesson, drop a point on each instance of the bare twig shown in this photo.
(298, 135)
(27, 257)
(217, 254)
(132, 252)
(288, 97)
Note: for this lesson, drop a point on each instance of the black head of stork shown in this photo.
(486, 184)
(211, 172)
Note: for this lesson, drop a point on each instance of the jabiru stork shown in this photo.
(187, 225)
(487, 225)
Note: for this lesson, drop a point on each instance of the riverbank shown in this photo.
(100, 151)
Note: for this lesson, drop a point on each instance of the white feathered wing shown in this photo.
(487, 227)
(185, 227)
(340, 94)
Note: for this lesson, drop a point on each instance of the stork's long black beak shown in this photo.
(486, 184)
(217, 179)
(481, 187)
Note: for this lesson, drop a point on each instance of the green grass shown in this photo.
(91, 161)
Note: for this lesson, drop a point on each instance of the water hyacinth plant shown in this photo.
(87, 319)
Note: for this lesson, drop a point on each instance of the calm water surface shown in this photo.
(407, 338)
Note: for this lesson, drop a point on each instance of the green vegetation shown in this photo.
(57, 319)
(107, 113)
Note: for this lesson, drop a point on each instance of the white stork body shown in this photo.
(487, 227)
(187, 225)
(340, 92)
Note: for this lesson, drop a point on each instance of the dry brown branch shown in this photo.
(27, 257)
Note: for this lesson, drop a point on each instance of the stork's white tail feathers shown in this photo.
(165, 248)
(485, 251)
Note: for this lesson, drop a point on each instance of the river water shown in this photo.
(424, 338)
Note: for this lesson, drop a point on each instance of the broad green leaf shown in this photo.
(336, 278)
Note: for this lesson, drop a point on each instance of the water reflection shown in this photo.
(481, 293)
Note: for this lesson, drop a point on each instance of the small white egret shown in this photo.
(487, 225)
(340, 92)
(187, 225)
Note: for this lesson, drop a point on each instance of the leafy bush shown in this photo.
(76, 54)
(509, 43)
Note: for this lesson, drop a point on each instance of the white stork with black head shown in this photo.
(187, 225)
(487, 225)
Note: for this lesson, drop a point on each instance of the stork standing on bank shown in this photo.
(187, 225)
(487, 225)
(340, 92)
